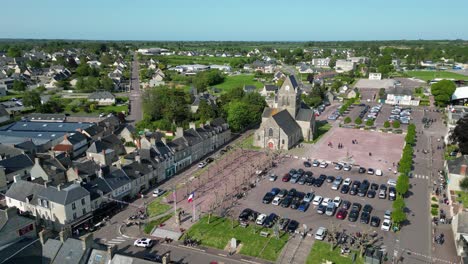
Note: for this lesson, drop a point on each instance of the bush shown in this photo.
(386, 124)
(347, 120)
(434, 199)
(370, 122)
(434, 205)
(434, 211)
(358, 121)
(396, 124)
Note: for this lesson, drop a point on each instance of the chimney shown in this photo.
(138, 158)
(37, 161)
(64, 234)
(110, 252)
(180, 132)
(99, 173)
(16, 178)
(87, 241)
(46, 184)
(192, 125)
(59, 187)
(463, 170)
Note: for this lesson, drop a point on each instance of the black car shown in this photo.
(286, 202)
(296, 201)
(346, 204)
(366, 183)
(319, 181)
(292, 172)
(353, 191)
(307, 164)
(371, 194)
(244, 215)
(300, 195)
(209, 160)
(365, 217)
(330, 179)
(362, 170)
(309, 174)
(356, 206)
(302, 181)
(344, 189)
(356, 184)
(362, 191)
(374, 186)
(375, 221)
(353, 215)
(322, 177)
(268, 198)
(283, 223)
(367, 208)
(292, 226)
(270, 220)
(153, 257)
(300, 172)
(310, 181)
(292, 193)
(321, 209)
(391, 193)
(253, 215)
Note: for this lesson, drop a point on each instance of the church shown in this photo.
(287, 123)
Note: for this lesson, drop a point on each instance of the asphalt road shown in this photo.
(136, 113)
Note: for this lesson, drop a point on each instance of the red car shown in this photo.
(286, 177)
(341, 214)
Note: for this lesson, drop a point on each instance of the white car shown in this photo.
(338, 166)
(309, 197)
(158, 192)
(337, 201)
(347, 181)
(386, 225)
(277, 200)
(143, 242)
(202, 164)
(261, 219)
(321, 233)
(391, 182)
(317, 200)
(272, 177)
(388, 214)
(326, 201)
(347, 167)
(315, 163)
(378, 173)
(323, 164)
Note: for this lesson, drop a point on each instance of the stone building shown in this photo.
(289, 122)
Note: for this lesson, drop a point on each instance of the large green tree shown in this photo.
(442, 91)
(19, 86)
(460, 135)
(239, 115)
(32, 98)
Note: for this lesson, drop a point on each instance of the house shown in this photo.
(140, 172)
(460, 234)
(102, 98)
(19, 165)
(67, 250)
(268, 90)
(321, 62)
(400, 96)
(4, 115)
(74, 144)
(9, 151)
(106, 151)
(205, 96)
(14, 227)
(37, 117)
(53, 206)
(49, 169)
(359, 60)
(456, 171)
(460, 96)
(3, 90)
(344, 66)
(278, 76)
(289, 122)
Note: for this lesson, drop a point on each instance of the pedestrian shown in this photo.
(370, 154)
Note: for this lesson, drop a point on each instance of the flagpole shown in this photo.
(174, 195)
(193, 209)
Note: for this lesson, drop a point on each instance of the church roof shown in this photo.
(286, 122)
(304, 114)
(290, 81)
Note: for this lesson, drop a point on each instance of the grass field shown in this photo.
(177, 60)
(238, 81)
(156, 207)
(149, 226)
(462, 197)
(219, 232)
(321, 252)
(322, 128)
(430, 75)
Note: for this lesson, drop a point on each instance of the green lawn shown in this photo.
(114, 108)
(430, 75)
(247, 143)
(321, 252)
(462, 197)
(157, 207)
(322, 128)
(177, 60)
(219, 232)
(238, 81)
(149, 226)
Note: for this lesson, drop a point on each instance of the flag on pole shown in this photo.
(190, 198)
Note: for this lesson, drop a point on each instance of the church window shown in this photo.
(270, 132)
(282, 141)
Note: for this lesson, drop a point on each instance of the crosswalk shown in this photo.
(418, 176)
(116, 241)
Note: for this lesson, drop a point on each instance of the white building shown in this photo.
(375, 76)
(344, 66)
(321, 62)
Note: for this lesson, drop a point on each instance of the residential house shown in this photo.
(19, 165)
(456, 171)
(3, 90)
(106, 151)
(53, 206)
(14, 227)
(102, 98)
(375, 76)
(321, 62)
(269, 90)
(74, 144)
(249, 88)
(460, 234)
(49, 169)
(4, 115)
(94, 63)
(359, 60)
(205, 96)
(68, 250)
(140, 172)
(278, 76)
(7, 151)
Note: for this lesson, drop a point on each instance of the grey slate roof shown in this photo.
(135, 169)
(455, 164)
(249, 88)
(218, 122)
(3, 111)
(65, 196)
(71, 252)
(267, 112)
(462, 226)
(8, 151)
(192, 137)
(50, 250)
(76, 138)
(286, 122)
(16, 163)
(291, 81)
(22, 189)
(101, 95)
(116, 178)
(399, 91)
(271, 88)
(304, 114)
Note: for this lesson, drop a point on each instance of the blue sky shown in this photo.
(285, 20)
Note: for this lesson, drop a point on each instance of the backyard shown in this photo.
(321, 252)
(238, 81)
(219, 232)
(430, 75)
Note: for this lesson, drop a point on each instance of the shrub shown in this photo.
(434, 199)
(434, 205)
(386, 124)
(434, 211)
(396, 124)
(370, 122)
(347, 120)
(358, 121)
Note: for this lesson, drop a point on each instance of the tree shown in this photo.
(41, 89)
(347, 120)
(386, 124)
(396, 124)
(464, 184)
(358, 121)
(442, 91)
(370, 122)
(402, 185)
(107, 84)
(399, 203)
(106, 59)
(32, 98)
(19, 86)
(239, 115)
(14, 52)
(205, 111)
(398, 216)
(460, 136)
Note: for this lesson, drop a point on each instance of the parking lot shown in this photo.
(310, 217)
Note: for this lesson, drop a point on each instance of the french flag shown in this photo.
(190, 198)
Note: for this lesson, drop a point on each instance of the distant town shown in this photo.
(233, 152)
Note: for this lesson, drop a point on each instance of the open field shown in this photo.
(219, 232)
(238, 81)
(430, 75)
(177, 60)
(321, 252)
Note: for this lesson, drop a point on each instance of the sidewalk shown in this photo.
(296, 250)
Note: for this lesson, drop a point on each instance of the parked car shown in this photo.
(346, 204)
(277, 200)
(202, 164)
(370, 171)
(321, 209)
(309, 181)
(321, 233)
(244, 215)
(283, 223)
(292, 192)
(270, 220)
(375, 221)
(317, 200)
(382, 191)
(341, 214)
(347, 167)
(275, 191)
(315, 163)
(158, 192)
(344, 189)
(347, 181)
(386, 224)
(143, 242)
(371, 194)
(331, 208)
(337, 201)
(388, 214)
(326, 201)
(307, 164)
(295, 178)
(292, 226)
(365, 217)
(391, 193)
(323, 164)
(283, 193)
(353, 215)
(261, 219)
(286, 178)
(309, 197)
(268, 198)
(272, 177)
(286, 202)
(391, 182)
(330, 179)
(362, 170)
(338, 166)
(303, 206)
(378, 173)
(337, 183)
(296, 201)
(302, 181)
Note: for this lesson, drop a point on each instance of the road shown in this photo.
(136, 112)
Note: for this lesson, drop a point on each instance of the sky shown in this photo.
(237, 20)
